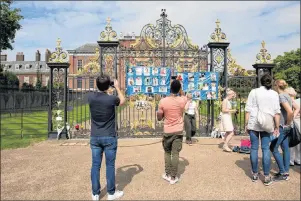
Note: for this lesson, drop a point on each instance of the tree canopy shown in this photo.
(288, 68)
(9, 24)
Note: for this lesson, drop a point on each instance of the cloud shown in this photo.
(245, 23)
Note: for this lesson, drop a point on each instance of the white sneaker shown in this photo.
(95, 197)
(116, 195)
(165, 177)
(174, 181)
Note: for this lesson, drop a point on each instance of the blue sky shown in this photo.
(246, 23)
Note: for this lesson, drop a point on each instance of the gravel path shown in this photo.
(60, 170)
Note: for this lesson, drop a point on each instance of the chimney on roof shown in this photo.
(47, 55)
(20, 56)
(3, 57)
(38, 56)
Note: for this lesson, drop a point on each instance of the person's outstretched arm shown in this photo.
(119, 93)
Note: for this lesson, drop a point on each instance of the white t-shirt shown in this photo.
(268, 101)
(191, 108)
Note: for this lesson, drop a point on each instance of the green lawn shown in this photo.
(21, 131)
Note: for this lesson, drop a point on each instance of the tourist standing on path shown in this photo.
(103, 135)
(286, 120)
(171, 109)
(226, 119)
(267, 100)
(189, 118)
(295, 151)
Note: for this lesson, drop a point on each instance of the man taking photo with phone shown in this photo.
(171, 109)
(103, 135)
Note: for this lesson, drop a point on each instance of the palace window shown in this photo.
(17, 66)
(186, 67)
(26, 66)
(46, 80)
(79, 83)
(91, 83)
(26, 80)
(79, 64)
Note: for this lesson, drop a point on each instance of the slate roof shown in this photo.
(25, 67)
(86, 48)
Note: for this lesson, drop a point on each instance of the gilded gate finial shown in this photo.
(108, 20)
(59, 56)
(263, 56)
(217, 23)
(108, 34)
(58, 43)
(218, 35)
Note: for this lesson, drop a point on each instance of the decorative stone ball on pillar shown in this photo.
(264, 63)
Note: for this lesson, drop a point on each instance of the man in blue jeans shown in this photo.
(103, 135)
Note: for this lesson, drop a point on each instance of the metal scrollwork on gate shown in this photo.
(176, 36)
(59, 56)
(218, 35)
(108, 34)
(58, 99)
(263, 56)
(218, 60)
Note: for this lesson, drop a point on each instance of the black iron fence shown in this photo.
(25, 113)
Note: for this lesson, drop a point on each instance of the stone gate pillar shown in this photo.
(264, 63)
(218, 63)
(58, 94)
(108, 46)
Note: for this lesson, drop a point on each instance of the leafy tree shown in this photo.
(9, 24)
(39, 82)
(292, 76)
(9, 80)
(27, 87)
(288, 68)
(12, 80)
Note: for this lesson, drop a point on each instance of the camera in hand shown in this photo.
(112, 84)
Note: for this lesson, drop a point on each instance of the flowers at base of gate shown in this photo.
(82, 126)
(58, 112)
(76, 127)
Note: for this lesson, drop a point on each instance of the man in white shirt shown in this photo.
(189, 118)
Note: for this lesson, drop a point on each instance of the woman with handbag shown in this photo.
(226, 119)
(286, 120)
(262, 104)
(295, 151)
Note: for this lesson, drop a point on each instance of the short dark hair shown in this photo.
(103, 82)
(267, 81)
(175, 86)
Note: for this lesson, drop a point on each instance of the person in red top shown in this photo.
(171, 109)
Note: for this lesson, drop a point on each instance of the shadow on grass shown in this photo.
(124, 176)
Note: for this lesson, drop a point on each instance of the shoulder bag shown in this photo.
(265, 120)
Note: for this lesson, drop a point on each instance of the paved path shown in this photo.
(60, 170)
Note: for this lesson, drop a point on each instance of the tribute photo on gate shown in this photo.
(202, 85)
(148, 80)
